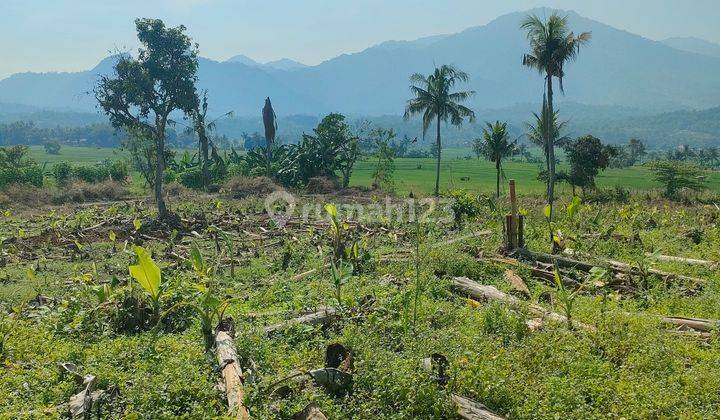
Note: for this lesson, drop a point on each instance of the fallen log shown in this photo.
(468, 409)
(704, 325)
(232, 374)
(491, 293)
(615, 266)
(322, 317)
(689, 261)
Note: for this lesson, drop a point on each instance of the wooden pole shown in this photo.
(513, 219)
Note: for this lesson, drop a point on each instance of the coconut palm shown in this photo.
(435, 100)
(552, 46)
(497, 146)
(545, 123)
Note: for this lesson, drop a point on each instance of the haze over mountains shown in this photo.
(619, 75)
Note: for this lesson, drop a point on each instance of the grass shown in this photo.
(629, 366)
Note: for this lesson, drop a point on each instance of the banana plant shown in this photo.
(199, 265)
(211, 310)
(148, 275)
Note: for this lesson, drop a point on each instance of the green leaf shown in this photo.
(331, 210)
(112, 236)
(546, 211)
(574, 206)
(137, 224)
(197, 260)
(146, 273)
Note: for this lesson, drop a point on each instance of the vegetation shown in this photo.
(552, 46)
(497, 146)
(436, 102)
(143, 92)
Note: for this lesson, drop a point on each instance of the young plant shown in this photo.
(418, 239)
(566, 297)
(335, 230)
(210, 309)
(199, 265)
(113, 238)
(147, 273)
(341, 274)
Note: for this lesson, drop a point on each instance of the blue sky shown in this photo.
(71, 35)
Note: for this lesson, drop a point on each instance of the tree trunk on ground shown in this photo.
(159, 168)
(439, 148)
(232, 375)
(551, 150)
(497, 180)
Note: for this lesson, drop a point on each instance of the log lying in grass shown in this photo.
(689, 261)
(468, 409)
(615, 266)
(517, 283)
(704, 325)
(322, 317)
(232, 374)
(490, 293)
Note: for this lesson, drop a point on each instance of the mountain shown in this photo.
(243, 59)
(285, 64)
(617, 69)
(694, 45)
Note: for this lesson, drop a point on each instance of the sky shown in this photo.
(73, 35)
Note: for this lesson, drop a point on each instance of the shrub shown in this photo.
(62, 171)
(241, 186)
(119, 171)
(191, 178)
(52, 147)
(91, 174)
(464, 205)
(28, 175)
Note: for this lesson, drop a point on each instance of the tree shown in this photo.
(636, 149)
(270, 123)
(202, 129)
(382, 144)
(52, 147)
(552, 45)
(496, 146)
(333, 147)
(477, 146)
(675, 176)
(538, 131)
(143, 92)
(587, 157)
(435, 100)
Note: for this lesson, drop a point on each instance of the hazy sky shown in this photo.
(71, 35)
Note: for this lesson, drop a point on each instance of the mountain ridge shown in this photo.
(618, 68)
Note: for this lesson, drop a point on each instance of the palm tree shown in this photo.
(435, 101)
(547, 124)
(552, 45)
(497, 146)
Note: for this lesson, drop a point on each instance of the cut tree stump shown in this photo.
(322, 317)
(232, 374)
(468, 409)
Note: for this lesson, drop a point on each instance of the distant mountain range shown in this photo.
(617, 68)
(694, 45)
(620, 76)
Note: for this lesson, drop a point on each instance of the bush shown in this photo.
(119, 171)
(91, 174)
(464, 205)
(28, 175)
(618, 194)
(52, 147)
(191, 178)
(241, 186)
(62, 171)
